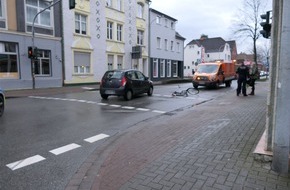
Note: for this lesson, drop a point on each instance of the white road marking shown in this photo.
(64, 149)
(25, 162)
(114, 105)
(142, 109)
(96, 138)
(157, 111)
(128, 107)
(100, 104)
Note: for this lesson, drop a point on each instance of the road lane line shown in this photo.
(142, 109)
(96, 138)
(25, 162)
(157, 111)
(114, 105)
(64, 149)
(128, 107)
(102, 104)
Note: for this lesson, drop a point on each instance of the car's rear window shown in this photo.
(113, 75)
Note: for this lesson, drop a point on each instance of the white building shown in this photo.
(205, 50)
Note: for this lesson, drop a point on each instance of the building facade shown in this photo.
(16, 24)
(166, 47)
(103, 37)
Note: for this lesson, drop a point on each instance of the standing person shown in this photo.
(243, 74)
(254, 74)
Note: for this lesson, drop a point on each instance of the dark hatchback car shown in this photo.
(126, 83)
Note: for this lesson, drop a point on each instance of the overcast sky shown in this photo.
(211, 17)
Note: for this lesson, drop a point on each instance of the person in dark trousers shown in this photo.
(254, 75)
(243, 75)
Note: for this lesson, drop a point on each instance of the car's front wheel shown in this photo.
(150, 91)
(1, 106)
(128, 95)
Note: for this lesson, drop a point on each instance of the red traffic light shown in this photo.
(30, 52)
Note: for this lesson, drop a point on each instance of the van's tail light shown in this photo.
(123, 81)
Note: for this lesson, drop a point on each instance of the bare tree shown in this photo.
(248, 23)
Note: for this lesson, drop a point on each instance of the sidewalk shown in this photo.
(49, 91)
(207, 146)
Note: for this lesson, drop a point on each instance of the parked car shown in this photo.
(2, 102)
(126, 83)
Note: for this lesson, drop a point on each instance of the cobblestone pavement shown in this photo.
(206, 146)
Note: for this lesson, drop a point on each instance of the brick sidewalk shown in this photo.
(207, 146)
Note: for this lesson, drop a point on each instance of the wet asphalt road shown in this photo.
(44, 139)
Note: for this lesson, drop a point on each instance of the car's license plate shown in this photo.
(201, 82)
(110, 92)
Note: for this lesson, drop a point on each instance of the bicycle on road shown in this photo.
(190, 90)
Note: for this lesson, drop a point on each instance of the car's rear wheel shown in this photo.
(1, 106)
(104, 96)
(150, 91)
(128, 95)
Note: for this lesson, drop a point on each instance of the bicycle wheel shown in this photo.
(192, 91)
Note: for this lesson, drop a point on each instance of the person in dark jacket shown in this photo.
(254, 75)
(243, 75)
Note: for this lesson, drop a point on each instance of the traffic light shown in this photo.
(266, 32)
(72, 4)
(30, 52)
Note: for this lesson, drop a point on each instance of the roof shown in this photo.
(210, 44)
(160, 13)
(177, 35)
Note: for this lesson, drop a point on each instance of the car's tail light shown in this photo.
(123, 81)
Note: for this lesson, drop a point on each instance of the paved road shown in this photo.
(206, 146)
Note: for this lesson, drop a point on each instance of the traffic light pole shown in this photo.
(33, 47)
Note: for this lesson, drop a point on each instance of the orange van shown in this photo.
(214, 74)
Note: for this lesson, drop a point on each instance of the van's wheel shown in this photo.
(228, 83)
(128, 95)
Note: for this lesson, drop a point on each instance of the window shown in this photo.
(155, 68)
(109, 30)
(120, 62)
(166, 23)
(35, 6)
(166, 44)
(174, 68)
(8, 60)
(80, 24)
(1, 9)
(171, 46)
(172, 25)
(109, 3)
(110, 62)
(158, 19)
(178, 47)
(119, 32)
(162, 68)
(158, 43)
(168, 68)
(82, 61)
(119, 5)
(140, 76)
(42, 64)
(140, 35)
(140, 10)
